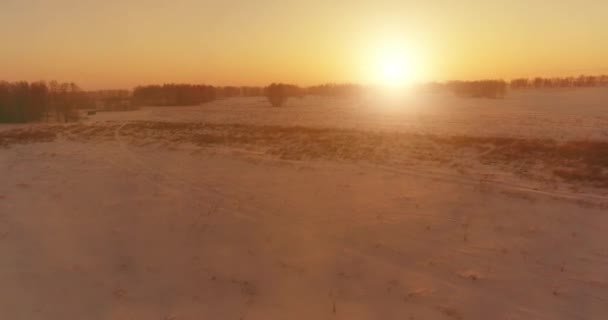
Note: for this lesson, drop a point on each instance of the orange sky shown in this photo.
(119, 44)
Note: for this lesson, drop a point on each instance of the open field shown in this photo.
(561, 114)
(424, 207)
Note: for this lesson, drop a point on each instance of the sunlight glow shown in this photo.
(395, 65)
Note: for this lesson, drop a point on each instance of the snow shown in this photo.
(110, 221)
(561, 114)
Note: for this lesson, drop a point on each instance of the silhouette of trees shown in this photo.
(36, 101)
(581, 81)
(188, 94)
(38, 105)
(493, 89)
(479, 89)
(336, 90)
(278, 93)
(519, 83)
(65, 99)
(173, 95)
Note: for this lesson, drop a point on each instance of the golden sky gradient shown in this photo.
(119, 44)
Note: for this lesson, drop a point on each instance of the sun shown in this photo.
(393, 63)
(392, 71)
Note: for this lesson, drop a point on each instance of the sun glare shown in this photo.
(395, 66)
(392, 72)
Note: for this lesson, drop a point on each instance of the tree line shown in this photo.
(494, 89)
(37, 101)
(581, 81)
(336, 90)
(277, 93)
(193, 94)
(499, 88)
(54, 101)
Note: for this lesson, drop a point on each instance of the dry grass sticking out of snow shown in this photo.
(575, 162)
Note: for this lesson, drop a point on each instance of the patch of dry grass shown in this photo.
(30, 135)
(573, 161)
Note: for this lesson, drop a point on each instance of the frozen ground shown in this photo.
(116, 218)
(560, 114)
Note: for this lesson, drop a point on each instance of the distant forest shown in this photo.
(60, 102)
(567, 82)
(37, 101)
(499, 88)
(187, 94)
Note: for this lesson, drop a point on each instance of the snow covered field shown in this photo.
(552, 113)
(424, 207)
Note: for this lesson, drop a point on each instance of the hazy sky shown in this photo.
(118, 44)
